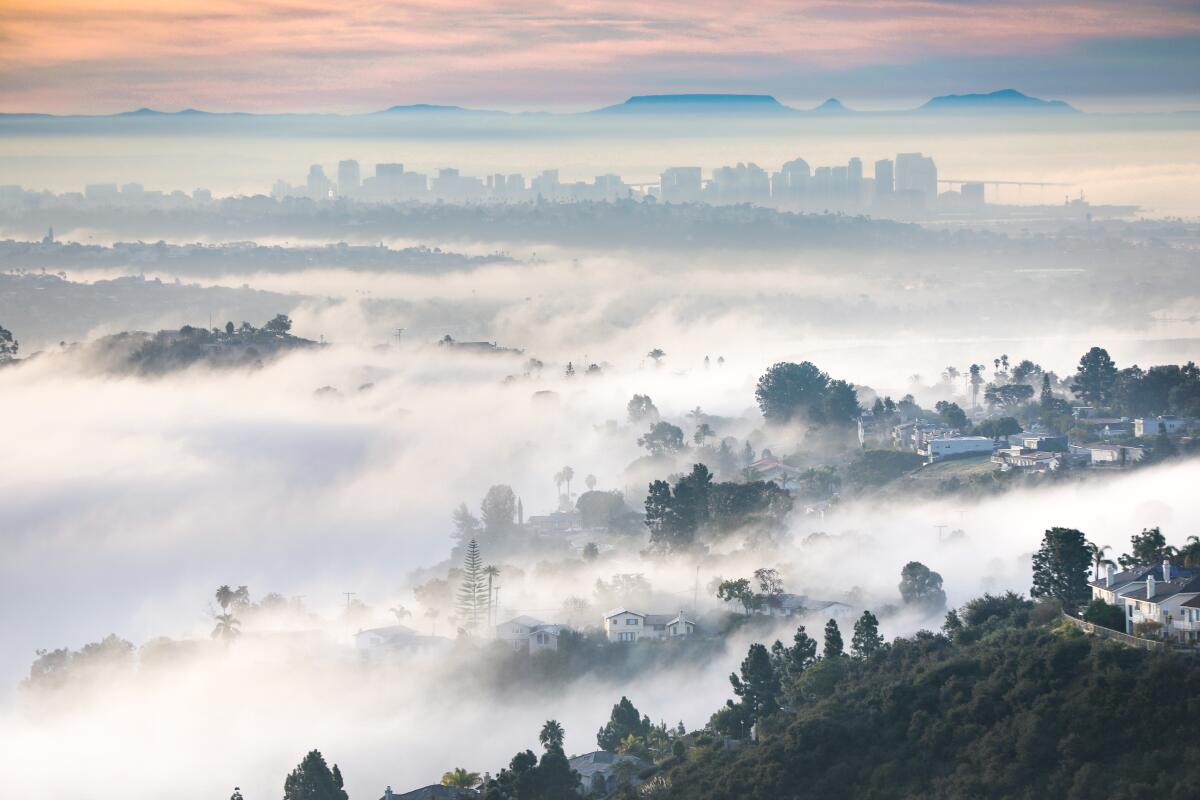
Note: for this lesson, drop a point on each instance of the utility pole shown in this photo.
(348, 596)
(940, 528)
(399, 336)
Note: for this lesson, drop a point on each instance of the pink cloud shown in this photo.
(225, 52)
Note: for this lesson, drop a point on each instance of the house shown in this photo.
(1159, 426)
(378, 644)
(942, 448)
(1045, 444)
(915, 436)
(1165, 594)
(529, 635)
(1161, 599)
(1027, 460)
(793, 605)
(772, 469)
(1113, 455)
(432, 792)
(602, 772)
(871, 431)
(556, 522)
(623, 625)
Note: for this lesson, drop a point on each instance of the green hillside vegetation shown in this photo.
(1005, 704)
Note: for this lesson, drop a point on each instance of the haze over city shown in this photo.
(500, 401)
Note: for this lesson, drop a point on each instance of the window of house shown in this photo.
(631, 621)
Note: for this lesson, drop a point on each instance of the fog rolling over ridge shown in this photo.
(601, 401)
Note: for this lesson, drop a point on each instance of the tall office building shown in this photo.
(884, 177)
(318, 184)
(348, 177)
(681, 184)
(916, 175)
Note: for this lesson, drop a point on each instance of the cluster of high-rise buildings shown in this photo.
(907, 183)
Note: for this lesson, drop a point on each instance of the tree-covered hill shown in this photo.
(1004, 709)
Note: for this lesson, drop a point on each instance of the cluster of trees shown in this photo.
(1001, 704)
(771, 681)
(219, 347)
(1165, 389)
(528, 777)
(312, 779)
(789, 392)
(679, 516)
(8, 345)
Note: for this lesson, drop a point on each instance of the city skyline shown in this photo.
(78, 56)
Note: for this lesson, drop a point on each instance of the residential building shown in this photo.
(381, 644)
(1159, 426)
(1160, 593)
(623, 625)
(600, 774)
(772, 469)
(529, 635)
(1021, 458)
(943, 447)
(1162, 599)
(799, 605)
(1113, 455)
(556, 522)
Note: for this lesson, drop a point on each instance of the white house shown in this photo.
(1114, 455)
(1158, 426)
(949, 446)
(792, 605)
(378, 644)
(528, 635)
(599, 771)
(1162, 593)
(622, 625)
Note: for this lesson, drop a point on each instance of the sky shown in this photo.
(82, 56)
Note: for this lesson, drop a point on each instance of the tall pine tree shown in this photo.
(472, 594)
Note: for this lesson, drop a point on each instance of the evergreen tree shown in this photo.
(1060, 568)
(866, 641)
(472, 595)
(922, 587)
(313, 780)
(758, 686)
(833, 640)
(624, 721)
(1096, 378)
(1147, 549)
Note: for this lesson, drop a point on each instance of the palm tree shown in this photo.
(492, 573)
(558, 484)
(241, 598)
(568, 474)
(459, 778)
(1191, 552)
(400, 612)
(227, 628)
(552, 735)
(657, 354)
(1097, 552)
(225, 597)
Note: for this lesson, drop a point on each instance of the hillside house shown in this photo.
(623, 625)
(529, 635)
(601, 772)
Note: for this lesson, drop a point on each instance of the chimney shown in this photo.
(1112, 572)
(1166, 569)
(1149, 585)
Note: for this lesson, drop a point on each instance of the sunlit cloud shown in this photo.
(67, 55)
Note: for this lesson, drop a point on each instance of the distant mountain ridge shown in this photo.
(716, 104)
(1003, 100)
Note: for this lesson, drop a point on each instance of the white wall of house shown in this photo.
(625, 626)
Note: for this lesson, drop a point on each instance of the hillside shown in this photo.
(1006, 709)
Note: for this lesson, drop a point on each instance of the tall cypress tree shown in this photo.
(472, 594)
(1060, 568)
(833, 640)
